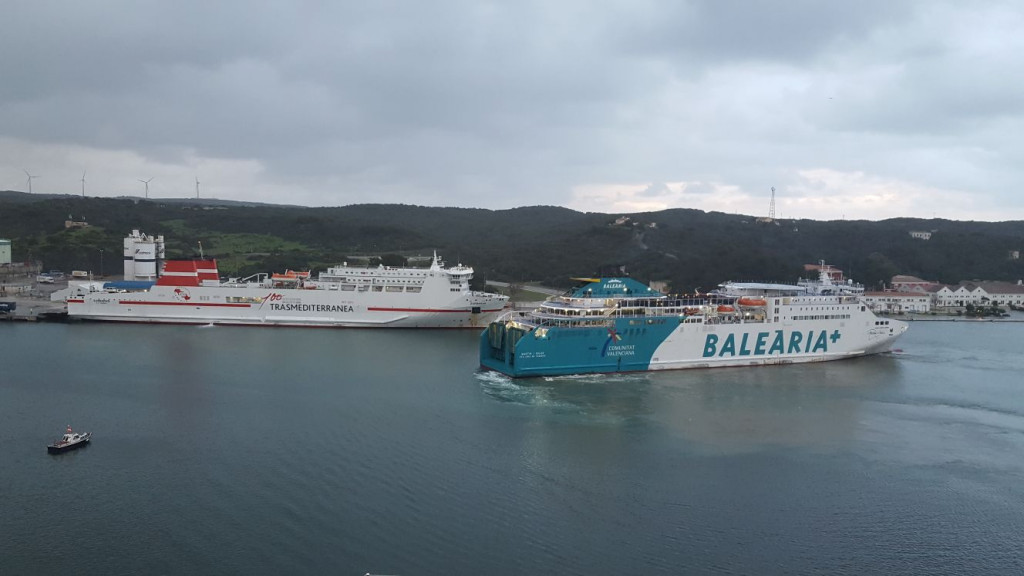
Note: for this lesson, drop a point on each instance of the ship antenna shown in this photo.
(200, 242)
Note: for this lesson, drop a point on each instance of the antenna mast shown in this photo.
(771, 209)
(197, 187)
(83, 183)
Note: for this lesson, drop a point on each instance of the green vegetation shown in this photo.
(689, 249)
(519, 293)
(991, 311)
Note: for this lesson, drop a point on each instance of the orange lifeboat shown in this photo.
(748, 301)
(289, 275)
(726, 308)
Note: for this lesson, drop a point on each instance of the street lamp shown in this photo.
(101, 262)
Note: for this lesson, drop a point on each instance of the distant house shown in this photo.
(5, 251)
(621, 220)
(898, 302)
(904, 283)
(920, 234)
(979, 293)
(1014, 254)
(74, 224)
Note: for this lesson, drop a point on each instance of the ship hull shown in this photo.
(260, 306)
(60, 449)
(666, 344)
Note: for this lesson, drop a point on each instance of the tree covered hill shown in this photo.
(689, 248)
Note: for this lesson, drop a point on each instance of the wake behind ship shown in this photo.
(191, 292)
(620, 325)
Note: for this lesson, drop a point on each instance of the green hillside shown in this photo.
(689, 248)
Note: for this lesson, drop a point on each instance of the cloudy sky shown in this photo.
(856, 110)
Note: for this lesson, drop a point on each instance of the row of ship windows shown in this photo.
(574, 312)
(343, 287)
(823, 317)
(326, 278)
(376, 272)
(364, 288)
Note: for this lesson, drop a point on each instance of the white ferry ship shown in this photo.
(191, 292)
(621, 325)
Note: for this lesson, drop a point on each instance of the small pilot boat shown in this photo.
(69, 441)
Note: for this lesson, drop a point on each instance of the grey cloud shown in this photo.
(497, 105)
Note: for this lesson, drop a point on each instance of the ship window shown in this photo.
(393, 289)
(348, 287)
(413, 289)
(378, 288)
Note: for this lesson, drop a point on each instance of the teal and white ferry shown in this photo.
(621, 325)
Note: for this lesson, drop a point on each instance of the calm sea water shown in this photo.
(291, 451)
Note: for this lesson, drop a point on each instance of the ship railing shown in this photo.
(576, 302)
(531, 320)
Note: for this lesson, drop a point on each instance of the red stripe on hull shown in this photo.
(196, 304)
(429, 310)
(268, 325)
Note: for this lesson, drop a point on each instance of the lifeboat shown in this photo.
(691, 311)
(748, 301)
(290, 275)
(726, 308)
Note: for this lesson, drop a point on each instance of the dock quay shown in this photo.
(33, 310)
(31, 306)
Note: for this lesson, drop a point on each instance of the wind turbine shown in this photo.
(30, 177)
(146, 182)
(197, 187)
(83, 183)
